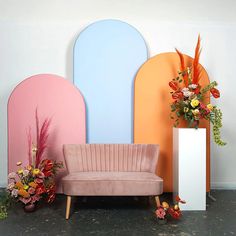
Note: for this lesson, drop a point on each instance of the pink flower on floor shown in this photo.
(160, 212)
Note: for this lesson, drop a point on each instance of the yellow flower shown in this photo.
(36, 171)
(194, 103)
(20, 171)
(195, 112)
(26, 187)
(18, 163)
(176, 207)
(210, 107)
(165, 205)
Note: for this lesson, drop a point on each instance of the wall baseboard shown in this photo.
(2, 185)
(223, 185)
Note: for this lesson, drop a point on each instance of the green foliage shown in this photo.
(209, 87)
(216, 120)
(4, 204)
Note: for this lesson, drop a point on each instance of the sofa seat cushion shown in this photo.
(112, 184)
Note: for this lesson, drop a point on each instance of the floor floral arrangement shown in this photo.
(189, 97)
(35, 181)
(164, 210)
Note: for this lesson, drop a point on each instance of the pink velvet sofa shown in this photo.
(111, 170)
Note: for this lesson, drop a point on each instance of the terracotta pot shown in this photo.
(30, 207)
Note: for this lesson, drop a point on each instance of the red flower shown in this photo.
(47, 173)
(177, 199)
(215, 92)
(48, 164)
(175, 214)
(197, 90)
(40, 190)
(173, 85)
(177, 95)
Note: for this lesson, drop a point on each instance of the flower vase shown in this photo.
(30, 207)
(189, 167)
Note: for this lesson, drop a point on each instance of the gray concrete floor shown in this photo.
(120, 216)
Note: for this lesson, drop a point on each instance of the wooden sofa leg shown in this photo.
(157, 201)
(68, 204)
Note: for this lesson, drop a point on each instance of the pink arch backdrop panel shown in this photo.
(54, 97)
(152, 99)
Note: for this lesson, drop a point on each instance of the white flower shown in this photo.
(185, 89)
(14, 193)
(192, 86)
(12, 175)
(10, 186)
(188, 93)
(25, 172)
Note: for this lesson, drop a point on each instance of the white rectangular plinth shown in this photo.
(189, 167)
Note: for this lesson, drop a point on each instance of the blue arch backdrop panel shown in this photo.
(107, 56)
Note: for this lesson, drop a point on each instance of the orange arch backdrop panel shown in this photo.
(55, 98)
(152, 99)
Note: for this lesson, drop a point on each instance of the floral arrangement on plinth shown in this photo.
(35, 181)
(164, 210)
(189, 97)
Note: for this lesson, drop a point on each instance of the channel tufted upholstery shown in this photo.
(111, 170)
(111, 157)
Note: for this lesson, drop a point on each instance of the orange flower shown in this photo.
(33, 184)
(29, 167)
(19, 185)
(23, 193)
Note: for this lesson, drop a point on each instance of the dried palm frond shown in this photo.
(196, 65)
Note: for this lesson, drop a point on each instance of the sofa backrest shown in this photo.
(111, 157)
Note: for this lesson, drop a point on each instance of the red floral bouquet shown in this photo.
(189, 97)
(164, 210)
(35, 181)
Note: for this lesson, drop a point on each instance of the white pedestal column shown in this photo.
(189, 167)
